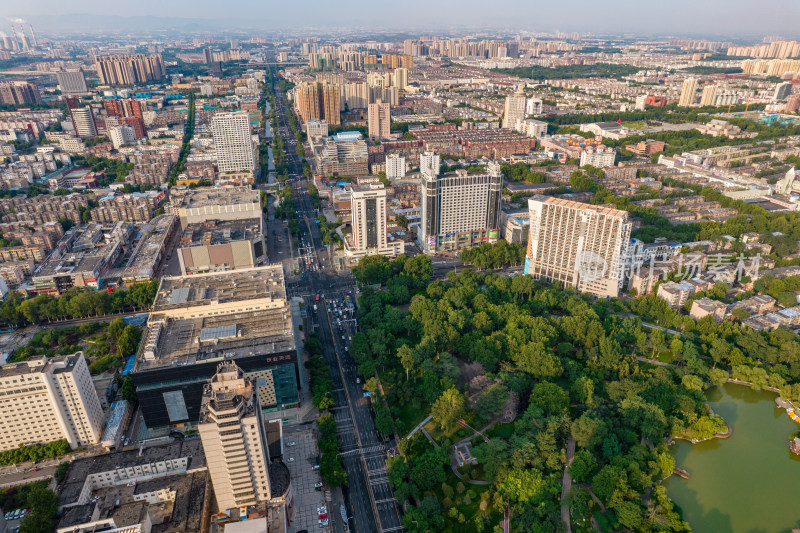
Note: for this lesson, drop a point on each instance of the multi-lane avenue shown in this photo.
(370, 504)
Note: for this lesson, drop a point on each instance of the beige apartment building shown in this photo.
(44, 400)
(578, 244)
(379, 120)
(234, 438)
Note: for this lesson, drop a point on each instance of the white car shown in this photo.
(318, 485)
(292, 443)
(290, 460)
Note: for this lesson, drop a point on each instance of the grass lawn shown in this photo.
(410, 414)
(466, 503)
(453, 434)
(666, 357)
(504, 431)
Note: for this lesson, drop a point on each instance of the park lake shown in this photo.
(748, 483)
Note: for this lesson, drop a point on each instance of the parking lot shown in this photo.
(307, 498)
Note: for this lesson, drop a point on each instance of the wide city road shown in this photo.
(370, 503)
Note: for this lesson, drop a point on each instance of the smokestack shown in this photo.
(14, 41)
(6, 41)
(33, 36)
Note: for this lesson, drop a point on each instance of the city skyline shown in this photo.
(711, 18)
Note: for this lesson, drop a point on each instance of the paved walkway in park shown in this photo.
(419, 426)
(566, 483)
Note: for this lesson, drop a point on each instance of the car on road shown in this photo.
(290, 460)
(291, 443)
(318, 485)
(315, 467)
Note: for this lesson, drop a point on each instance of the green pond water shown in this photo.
(748, 483)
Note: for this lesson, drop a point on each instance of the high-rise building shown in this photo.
(395, 166)
(19, 92)
(599, 157)
(687, 92)
(792, 103)
(233, 141)
(130, 69)
(459, 209)
(82, 118)
(580, 245)
(368, 204)
(121, 135)
(514, 109)
(321, 101)
(533, 106)
(709, 95)
(782, 91)
(234, 438)
(379, 120)
(49, 399)
(400, 78)
(128, 111)
(71, 81)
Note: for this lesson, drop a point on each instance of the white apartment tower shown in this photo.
(514, 109)
(121, 135)
(44, 400)
(580, 245)
(687, 92)
(233, 142)
(83, 122)
(368, 204)
(709, 95)
(395, 166)
(400, 77)
(429, 162)
(234, 438)
(71, 81)
(459, 209)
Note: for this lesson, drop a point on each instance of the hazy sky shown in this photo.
(722, 17)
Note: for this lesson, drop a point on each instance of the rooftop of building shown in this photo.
(150, 244)
(603, 210)
(57, 364)
(213, 232)
(215, 196)
(216, 288)
(81, 468)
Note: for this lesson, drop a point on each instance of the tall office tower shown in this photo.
(19, 92)
(368, 204)
(395, 166)
(709, 95)
(459, 209)
(130, 69)
(49, 399)
(687, 92)
(578, 244)
(121, 135)
(234, 438)
(82, 118)
(514, 109)
(379, 119)
(782, 91)
(233, 141)
(400, 78)
(207, 57)
(71, 81)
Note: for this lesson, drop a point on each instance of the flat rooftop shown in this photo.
(221, 231)
(202, 197)
(218, 288)
(216, 338)
(80, 469)
(146, 252)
